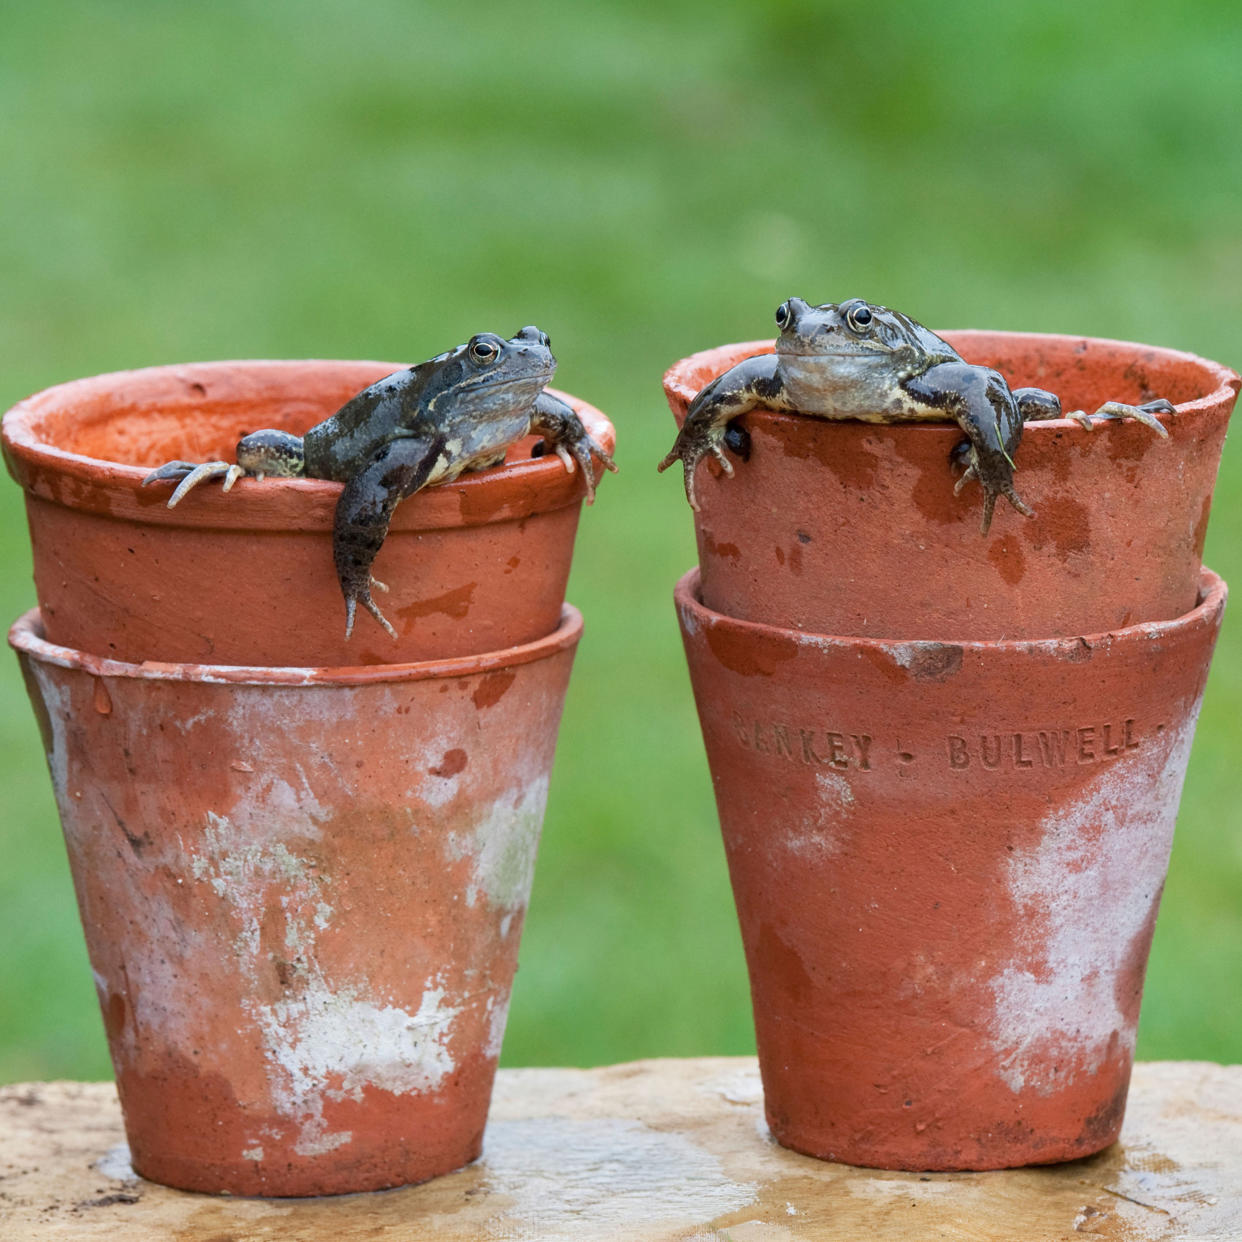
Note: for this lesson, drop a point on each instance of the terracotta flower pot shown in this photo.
(302, 891)
(947, 860)
(248, 577)
(850, 528)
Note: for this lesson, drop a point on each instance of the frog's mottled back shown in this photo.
(477, 394)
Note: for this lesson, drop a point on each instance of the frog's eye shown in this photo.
(859, 317)
(483, 350)
(784, 316)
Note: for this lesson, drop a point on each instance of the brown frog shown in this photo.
(859, 360)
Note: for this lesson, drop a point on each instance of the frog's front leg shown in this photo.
(364, 511)
(262, 453)
(563, 432)
(980, 402)
(753, 382)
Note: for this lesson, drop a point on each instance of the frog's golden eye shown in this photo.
(859, 317)
(483, 350)
(784, 316)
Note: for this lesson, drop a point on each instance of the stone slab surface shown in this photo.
(662, 1151)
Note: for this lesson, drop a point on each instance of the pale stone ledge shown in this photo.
(662, 1151)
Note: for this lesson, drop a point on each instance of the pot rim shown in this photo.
(26, 638)
(1228, 382)
(695, 615)
(512, 490)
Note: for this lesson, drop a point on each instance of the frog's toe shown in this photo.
(364, 598)
(1145, 413)
(373, 608)
(990, 498)
(596, 449)
(690, 453)
(692, 495)
(208, 470)
(170, 472)
(989, 507)
(967, 475)
(1018, 503)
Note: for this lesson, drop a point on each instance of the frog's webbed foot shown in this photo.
(712, 424)
(995, 483)
(691, 449)
(563, 432)
(188, 476)
(1145, 414)
(363, 596)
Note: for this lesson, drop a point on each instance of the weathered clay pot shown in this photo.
(947, 860)
(248, 578)
(302, 891)
(850, 528)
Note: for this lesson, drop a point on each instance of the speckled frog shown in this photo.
(426, 424)
(858, 360)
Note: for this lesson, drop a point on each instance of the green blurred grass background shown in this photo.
(643, 180)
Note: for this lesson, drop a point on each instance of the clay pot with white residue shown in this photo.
(472, 566)
(854, 528)
(947, 859)
(302, 891)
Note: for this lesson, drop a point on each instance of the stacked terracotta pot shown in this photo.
(302, 862)
(948, 766)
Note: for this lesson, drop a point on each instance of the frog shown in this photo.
(419, 426)
(860, 360)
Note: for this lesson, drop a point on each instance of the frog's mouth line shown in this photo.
(873, 351)
(494, 385)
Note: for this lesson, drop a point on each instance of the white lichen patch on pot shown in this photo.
(497, 1016)
(617, 1174)
(253, 877)
(58, 706)
(326, 1044)
(1087, 893)
(501, 845)
(320, 1040)
(690, 622)
(816, 835)
(835, 793)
